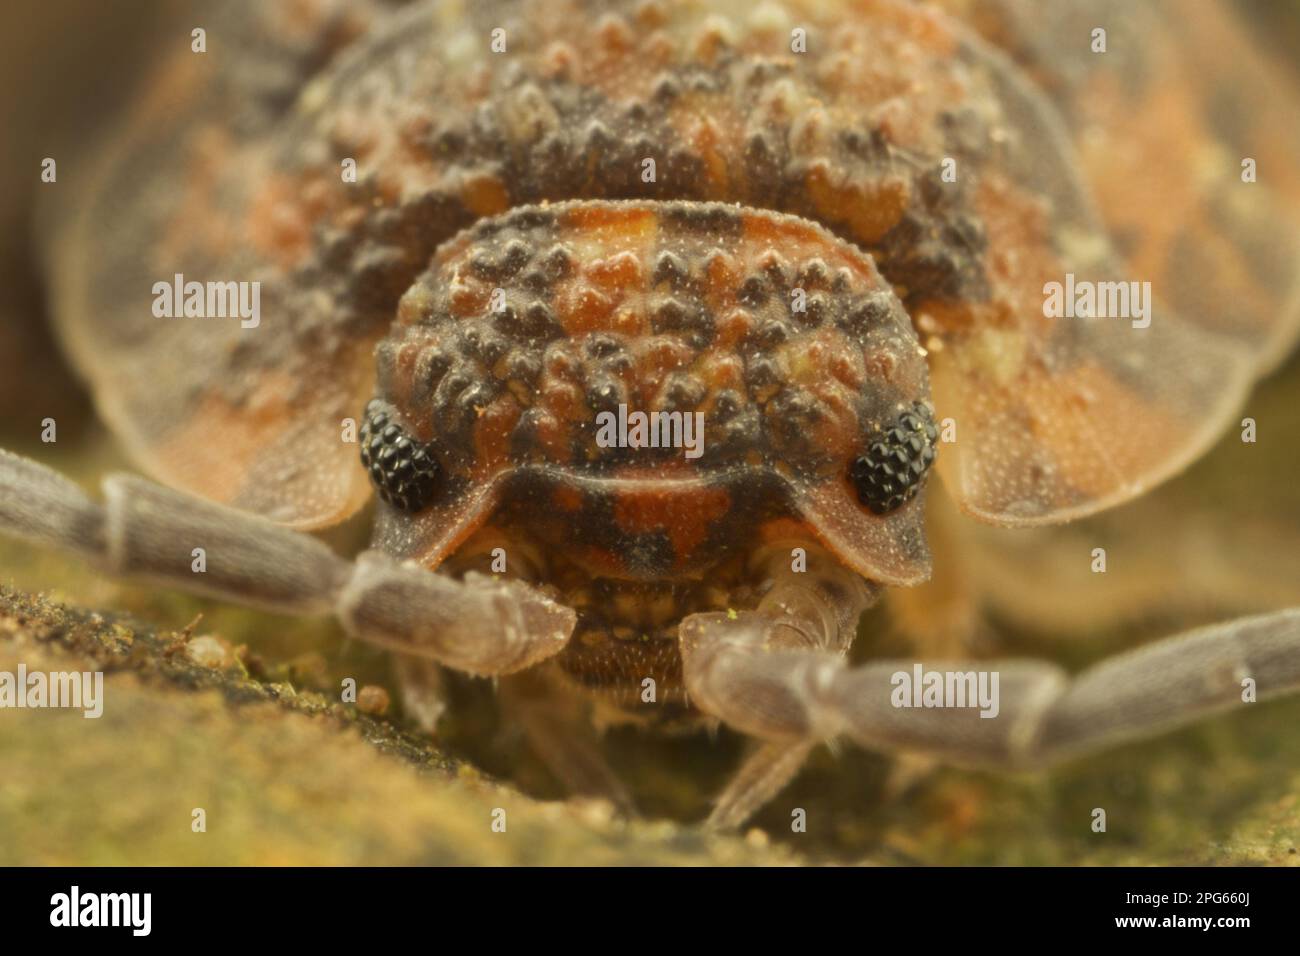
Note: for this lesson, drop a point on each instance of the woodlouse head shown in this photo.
(642, 384)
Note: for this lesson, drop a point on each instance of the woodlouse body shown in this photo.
(815, 226)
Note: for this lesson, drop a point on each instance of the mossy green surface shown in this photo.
(290, 775)
(282, 776)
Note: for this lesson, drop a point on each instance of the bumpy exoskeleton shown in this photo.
(664, 306)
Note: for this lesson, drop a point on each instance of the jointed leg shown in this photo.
(479, 625)
(804, 620)
(559, 729)
(737, 668)
(422, 689)
(761, 777)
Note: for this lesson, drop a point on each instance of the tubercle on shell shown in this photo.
(441, 131)
(528, 326)
(726, 113)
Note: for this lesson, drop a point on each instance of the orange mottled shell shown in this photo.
(1117, 166)
(678, 308)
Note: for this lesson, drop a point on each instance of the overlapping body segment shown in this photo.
(894, 125)
(1177, 132)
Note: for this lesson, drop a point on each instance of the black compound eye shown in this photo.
(893, 469)
(404, 471)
